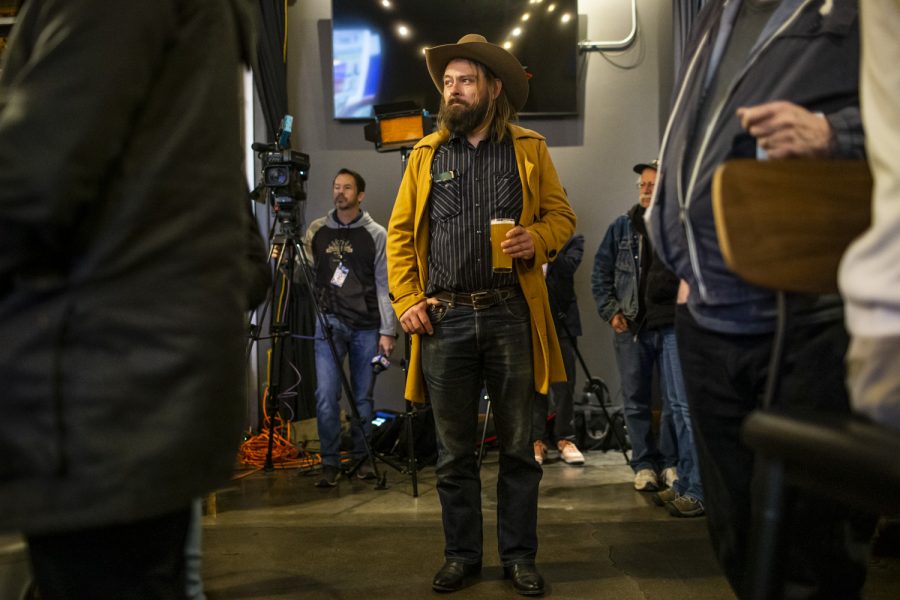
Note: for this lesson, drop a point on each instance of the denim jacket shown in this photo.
(614, 281)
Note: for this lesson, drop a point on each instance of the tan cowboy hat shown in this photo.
(472, 46)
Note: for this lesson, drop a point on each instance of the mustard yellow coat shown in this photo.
(545, 213)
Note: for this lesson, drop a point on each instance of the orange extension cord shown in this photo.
(284, 454)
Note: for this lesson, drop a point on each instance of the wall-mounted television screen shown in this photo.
(378, 58)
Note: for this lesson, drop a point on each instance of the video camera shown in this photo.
(284, 174)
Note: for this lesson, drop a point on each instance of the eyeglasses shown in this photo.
(645, 184)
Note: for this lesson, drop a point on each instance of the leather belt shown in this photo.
(479, 300)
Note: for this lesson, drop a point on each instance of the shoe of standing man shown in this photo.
(569, 452)
(330, 476)
(455, 575)
(664, 497)
(685, 506)
(540, 451)
(525, 579)
(366, 471)
(669, 476)
(645, 480)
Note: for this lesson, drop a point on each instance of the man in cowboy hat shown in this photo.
(472, 326)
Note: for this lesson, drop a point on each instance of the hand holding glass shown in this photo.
(500, 261)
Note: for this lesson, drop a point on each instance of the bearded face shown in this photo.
(461, 116)
(466, 97)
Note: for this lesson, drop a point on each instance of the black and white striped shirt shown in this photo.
(470, 186)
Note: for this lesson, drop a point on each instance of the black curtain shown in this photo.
(297, 380)
(270, 75)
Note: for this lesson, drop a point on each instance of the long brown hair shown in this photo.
(500, 111)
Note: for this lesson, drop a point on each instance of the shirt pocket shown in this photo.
(508, 199)
(625, 257)
(446, 200)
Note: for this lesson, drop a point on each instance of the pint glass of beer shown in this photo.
(502, 263)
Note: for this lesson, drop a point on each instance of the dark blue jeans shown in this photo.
(469, 349)
(637, 357)
(688, 483)
(361, 345)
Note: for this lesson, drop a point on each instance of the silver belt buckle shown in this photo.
(482, 300)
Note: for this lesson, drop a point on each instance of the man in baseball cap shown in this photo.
(621, 288)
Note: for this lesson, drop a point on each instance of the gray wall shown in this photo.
(623, 100)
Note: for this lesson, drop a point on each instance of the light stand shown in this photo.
(596, 385)
(400, 126)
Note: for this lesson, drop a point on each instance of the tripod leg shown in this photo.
(278, 331)
(598, 393)
(411, 448)
(487, 418)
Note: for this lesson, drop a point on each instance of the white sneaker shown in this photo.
(669, 476)
(569, 452)
(540, 452)
(645, 481)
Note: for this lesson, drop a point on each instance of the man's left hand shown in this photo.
(786, 130)
(518, 243)
(386, 345)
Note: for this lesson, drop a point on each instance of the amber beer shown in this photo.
(502, 263)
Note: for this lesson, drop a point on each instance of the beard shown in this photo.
(342, 202)
(462, 119)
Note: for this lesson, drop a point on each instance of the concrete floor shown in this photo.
(277, 536)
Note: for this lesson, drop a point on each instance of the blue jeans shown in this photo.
(636, 357)
(362, 345)
(490, 347)
(688, 483)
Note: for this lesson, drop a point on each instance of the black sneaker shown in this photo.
(366, 472)
(330, 476)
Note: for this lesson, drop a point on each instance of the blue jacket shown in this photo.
(810, 58)
(614, 281)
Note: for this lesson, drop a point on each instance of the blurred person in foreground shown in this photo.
(774, 79)
(123, 284)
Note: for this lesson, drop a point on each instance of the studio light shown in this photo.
(398, 126)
